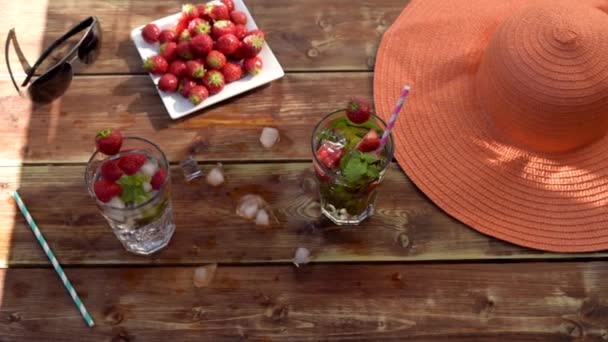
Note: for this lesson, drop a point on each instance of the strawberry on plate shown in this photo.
(178, 68)
(150, 33)
(253, 66)
(258, 32)
(158, 179)
(227, 44)
(168, 35)
(131, 163)
(199, 26)
(252, 44)
(195, 70)
(168, 83)
(215, 60)
(185, 36)
(330, 154)
(110, 170)
(168, 51)
(181, 25)
(232, 72)
(198, 94)
(189, 11)
(221, 28)
(240, 31)
(108, 141)
(105, 190)
(217, 11)
(201, 44)
(238, 17)
(214, 81)
(185, 85)
(229, 4)
(370, 142)
(358, 110)
(238, 55)
(156, 65)
(184, 51)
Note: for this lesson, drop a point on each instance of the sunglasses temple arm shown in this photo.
(9, 38)
(82, 25)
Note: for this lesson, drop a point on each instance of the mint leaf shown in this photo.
(354, 169)
(369, 158)
(373, 172)
(133, 190)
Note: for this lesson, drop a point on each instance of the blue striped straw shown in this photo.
(66, 282)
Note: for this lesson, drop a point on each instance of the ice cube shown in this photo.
(115, 214)
(150, 167)
(215, 177)
(147, 187)
(190, 169)
(204, 275)
(332, 136)
(270, 136)
(249, 205)
(262, 218)
(301, 256)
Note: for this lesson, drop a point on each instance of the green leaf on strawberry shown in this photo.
(132, 189)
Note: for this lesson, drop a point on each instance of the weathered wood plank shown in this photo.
(406, 227)
(63, 131)
(485, 302)
(305, 35)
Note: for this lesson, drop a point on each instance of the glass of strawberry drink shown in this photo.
(349, 162)
(131, 186)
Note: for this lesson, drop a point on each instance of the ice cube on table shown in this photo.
(301, 256)
(150, 167)
(270, 136)
(190, 169)
(215, 177)
(262, 218)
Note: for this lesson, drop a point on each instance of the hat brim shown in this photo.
(444, 141)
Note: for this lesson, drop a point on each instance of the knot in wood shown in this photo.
(312, 53)
(13, 317)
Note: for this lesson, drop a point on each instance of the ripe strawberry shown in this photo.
(358, 110)
(323, 177)
(198, 94)
(158, 179)
(232, 72)
(221, 28)
(240, 31)
(181, 25)
(229, 4)
(110, 170)
(108, 141)
(201, 44)
(199, 26)
(156, 65)
(189, 11)
(329, 154)
(257, 32)
(370, 142)
(185, 36)
(217, 12)
(168, 83)
(167, 36)
(195, 70)
(238, 54)
(215, 60)
(253, 66)
(238, 17)
(105, 190)
(252, 44)
(214, 81)
(227, 44)
(178, 68)
(184, 51)
(203, 11)
(150, 33)
(185, 85)
(131, 163)
(168, 51)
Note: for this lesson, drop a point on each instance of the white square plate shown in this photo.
(177, 105)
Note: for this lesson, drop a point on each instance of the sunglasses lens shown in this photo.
(89, 50)
(52, 84)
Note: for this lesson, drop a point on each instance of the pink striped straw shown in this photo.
(391, 121)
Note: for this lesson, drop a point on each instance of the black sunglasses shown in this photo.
(56, 80)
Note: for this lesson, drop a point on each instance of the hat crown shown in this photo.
(543, 79)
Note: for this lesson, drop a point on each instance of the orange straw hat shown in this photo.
(505, 127)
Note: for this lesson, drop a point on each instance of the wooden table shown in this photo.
(409, 272)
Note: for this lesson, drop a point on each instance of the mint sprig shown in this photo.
(133, 190)
(360, 167)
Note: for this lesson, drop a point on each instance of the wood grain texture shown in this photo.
(64, 130)
(406, 226)
(490, 302)
(317, 38)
